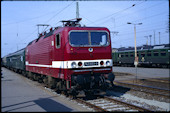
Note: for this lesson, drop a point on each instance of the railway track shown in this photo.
(102, 104)
(146, 89)
(110, 104)
(159, 80)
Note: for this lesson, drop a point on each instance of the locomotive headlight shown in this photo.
(108, 63)
(73, 64)
(80, 64)
(101, 63)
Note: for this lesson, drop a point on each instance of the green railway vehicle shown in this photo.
(15, 61)
(149, 56)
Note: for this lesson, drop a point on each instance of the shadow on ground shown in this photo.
(48, 104)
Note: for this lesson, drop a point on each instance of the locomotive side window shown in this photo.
(57, 41)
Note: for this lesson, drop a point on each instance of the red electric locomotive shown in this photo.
(72, 58)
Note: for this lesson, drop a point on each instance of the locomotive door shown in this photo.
(58, 56)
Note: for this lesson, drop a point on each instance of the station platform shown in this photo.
(141, 72)
(19, 94)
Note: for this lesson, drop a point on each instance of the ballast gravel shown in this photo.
(153, 105)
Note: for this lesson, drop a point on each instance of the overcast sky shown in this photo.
(19, 20)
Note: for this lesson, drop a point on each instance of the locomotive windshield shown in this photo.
(87, 38)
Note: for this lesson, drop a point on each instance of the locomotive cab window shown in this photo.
(99, 38)
(79, 38)
(88, 38)
(57, 41)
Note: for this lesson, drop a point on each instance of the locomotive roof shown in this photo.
(52, 31)
(144, 47)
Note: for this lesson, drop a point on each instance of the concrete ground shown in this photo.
(141, 72)
(19, 94)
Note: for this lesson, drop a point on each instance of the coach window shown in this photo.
(122, 55)
(163, 53)
(155, 53)
(131, 54)
(126, 54)
(148, 53)
(119, 55)
(137, 53)
(57, 41)
(142, 54)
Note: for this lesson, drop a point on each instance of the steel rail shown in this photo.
(145, 87)
(158, 80)
(127, 104)
(90, 105)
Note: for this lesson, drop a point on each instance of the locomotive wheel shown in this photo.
(51, 82)
(73, 93)
(29, 75)
(45, 80)
(40, 80)
(109, 80)
(34, 77)
(60, 85)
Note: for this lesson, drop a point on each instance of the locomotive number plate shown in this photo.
(90, 63)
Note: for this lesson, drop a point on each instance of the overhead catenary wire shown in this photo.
(132, 33)
(126, 15)
(158, 23)
(112, 14)
(140, 38)
(88, 20)
(145, 18)
(144, 9)
(30, 19)
(47, 21)
(59, 12)
(118, 12)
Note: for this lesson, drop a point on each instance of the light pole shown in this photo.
(146, 40)
(150, 39)
(136, 57)
(159, 38)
